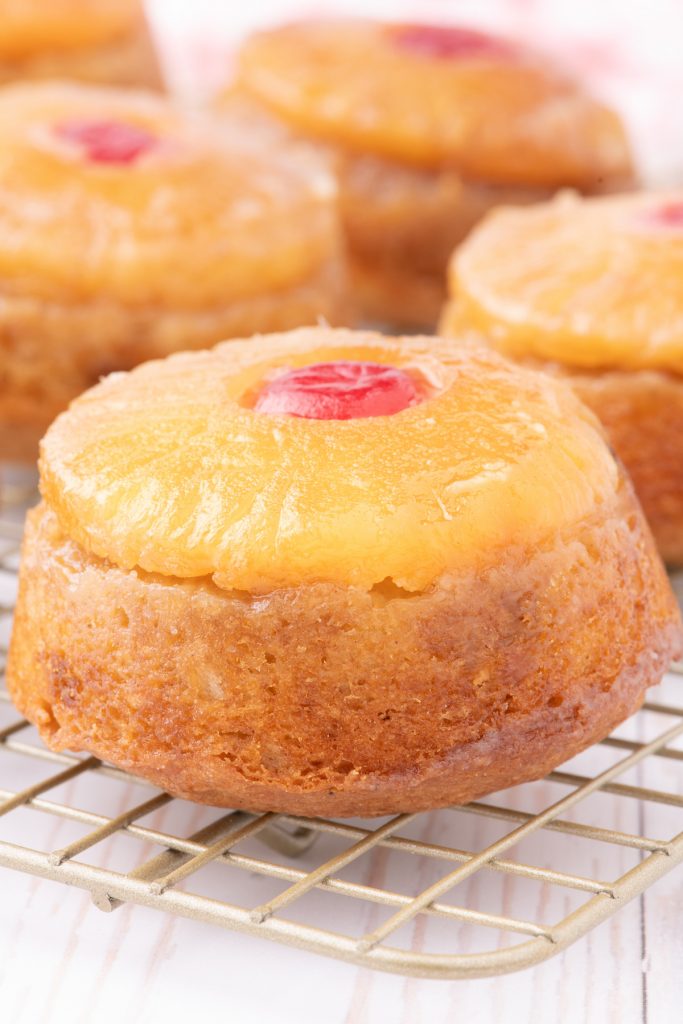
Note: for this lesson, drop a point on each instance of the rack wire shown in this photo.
(425, 895)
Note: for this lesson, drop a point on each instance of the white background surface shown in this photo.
(62, 961)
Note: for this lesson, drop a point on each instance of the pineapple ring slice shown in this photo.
(203, 216)
(171, 469)
(496, 112)
(591, 283)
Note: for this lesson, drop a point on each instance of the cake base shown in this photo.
(402, 225)
(128, 60)
(331, 700)
(642, 411)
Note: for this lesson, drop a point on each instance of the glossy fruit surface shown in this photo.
(171, 469)
(435, 96)
(205, 215)
(590, 283)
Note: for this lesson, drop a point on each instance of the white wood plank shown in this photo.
(663, 903)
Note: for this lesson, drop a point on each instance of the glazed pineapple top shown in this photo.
(435, 95)
(110, 194)
(589, 283)
(29, 27)
(322, 455)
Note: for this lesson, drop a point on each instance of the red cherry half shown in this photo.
(667, 215)
(447, 42)
(339, 391)
(107, 142)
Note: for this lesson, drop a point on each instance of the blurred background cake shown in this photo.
(105, 41)
(592, 290)
(129, 229)
(335, 572)
(427, 127)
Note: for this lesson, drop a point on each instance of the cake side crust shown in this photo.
(338, 701)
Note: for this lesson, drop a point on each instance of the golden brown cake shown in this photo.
(335, 573)
(129, 230)
(428, 127)
(99, 41)
(592, 290)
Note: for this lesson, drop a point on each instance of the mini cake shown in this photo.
(429, 127)
(335, 573)
(129, 230)
(592, 290)
(101, 41)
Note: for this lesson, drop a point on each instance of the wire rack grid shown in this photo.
(333, 887)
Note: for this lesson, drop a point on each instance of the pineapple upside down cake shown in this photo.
(592, 290)
(129, 230)
(428, 127)
(333, 572)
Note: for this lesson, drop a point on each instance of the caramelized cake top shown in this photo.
(186, 468)
(434, 96)
(590, 283)
(114, 195)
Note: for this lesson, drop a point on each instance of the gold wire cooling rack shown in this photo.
(333, 887)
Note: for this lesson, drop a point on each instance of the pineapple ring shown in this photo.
(497, 112)
(171, 469)
(200, 219)
(30, 26)
(594, 283)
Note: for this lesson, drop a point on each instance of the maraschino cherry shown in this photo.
(341, 390)
(449, 42)
(667, 215)
(107, 142)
